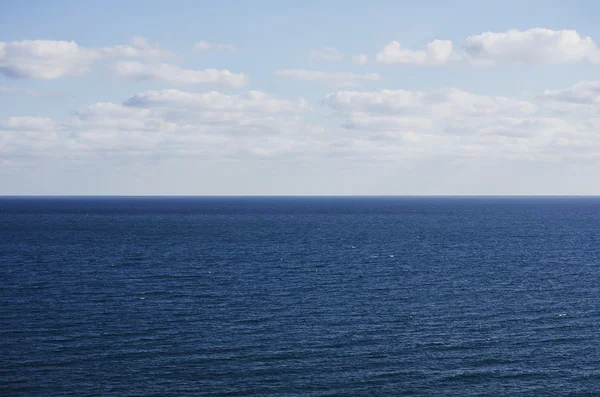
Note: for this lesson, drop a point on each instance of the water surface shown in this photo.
(299, 296)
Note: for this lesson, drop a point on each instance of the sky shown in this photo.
(299, 98)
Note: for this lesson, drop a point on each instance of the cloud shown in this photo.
(210, 124)
(582, 96)
(329, 54)
(533, 46)
(176, 75)
(27, 137)
(459, 125)
(450, 122)
(167, 124)
(448, 102)
(375, 122)
(395, 126)
(586, 93)
(44, 59)
(437, 52)
(336, 79)
(27, 123)
(205, 45)
(105, 115)
(139, 47)
(512, 127)
(360, 59)
(251, 101)
(51, 59)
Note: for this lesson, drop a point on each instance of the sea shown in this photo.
(299, 296)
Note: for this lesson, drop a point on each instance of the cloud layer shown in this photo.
(50, 59)
(383, 125)
(176, 75)
(202, 111)
(166, 123)
(467, 125)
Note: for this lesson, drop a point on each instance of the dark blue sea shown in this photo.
(384, 296)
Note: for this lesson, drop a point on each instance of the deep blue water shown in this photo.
(299, 296)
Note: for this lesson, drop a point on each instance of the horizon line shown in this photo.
(296, 195)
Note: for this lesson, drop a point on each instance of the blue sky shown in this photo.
(265, 97)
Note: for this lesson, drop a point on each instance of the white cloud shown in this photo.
(251, 101)
(205, 45)
(44, 59)
(452, 122)
(533, 46)
(512, 127)
(586, 92)
(27, 123)
(176, 75)
(360, 59)
(109, 115)
(139, 47)
(448, 102)
(377, 122)
(372, 127)
(50, 59)
(167, 124)
(210, 123)
(27, 137)
(583, 96)
(329, 54)
(336, 79)
(437, 52)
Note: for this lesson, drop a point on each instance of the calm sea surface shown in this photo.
(299, 296)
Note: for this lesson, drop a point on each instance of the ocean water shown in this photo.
(300, 296)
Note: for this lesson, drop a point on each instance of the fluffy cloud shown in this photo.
(533, 46)
(50, 59)
(377, 126)
(436, 52)
(166, 123)
(176, 75)
(583, 96)
(329, 54)
(205, 45)
(449, 121)
(44, 59)
(360, 59)
(462, 126)
(336, 79)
